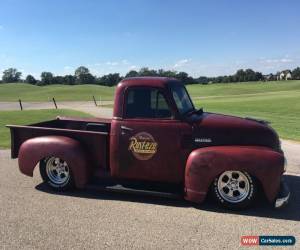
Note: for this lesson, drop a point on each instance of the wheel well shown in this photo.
(34, 150)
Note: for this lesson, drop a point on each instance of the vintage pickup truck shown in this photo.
(157, 142)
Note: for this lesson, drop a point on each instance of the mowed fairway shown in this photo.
(29, 117)
(32, 93)
(277, 102)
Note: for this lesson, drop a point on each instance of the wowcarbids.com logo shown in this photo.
(268, 240)
(143, 146)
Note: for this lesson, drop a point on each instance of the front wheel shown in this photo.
(234, 189)
(56, 173)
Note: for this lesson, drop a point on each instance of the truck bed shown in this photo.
(92, 133)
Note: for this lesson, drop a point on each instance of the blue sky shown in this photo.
(199, 37)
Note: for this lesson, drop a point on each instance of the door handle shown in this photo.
(126, 128)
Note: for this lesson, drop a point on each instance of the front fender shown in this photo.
(70, 150)
(205, 164)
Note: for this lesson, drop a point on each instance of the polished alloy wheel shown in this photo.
(233, 186)
(57, 171)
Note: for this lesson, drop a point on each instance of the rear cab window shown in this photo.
(146, 103)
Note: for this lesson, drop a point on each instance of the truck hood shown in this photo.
(212, 129)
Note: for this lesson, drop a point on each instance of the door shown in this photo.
(149, 141)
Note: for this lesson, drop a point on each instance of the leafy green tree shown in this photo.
(185, 78)
(166, 73)
(30, 79)
(203, 80)
(47, 78)
(110, 79)
(83, 76)
(86, 79)
(250, 75)
(240, 75)
(258, 76)
(11, 75)
(132, 73)
(296, 73)
(81, 71)
(69, 79)
(147, 72)
(58, 80)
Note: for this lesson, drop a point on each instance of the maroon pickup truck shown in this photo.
(158, 143)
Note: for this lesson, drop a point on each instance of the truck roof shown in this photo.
(148, 81)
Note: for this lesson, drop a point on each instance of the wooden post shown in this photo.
(20, 102)
(95, 101)
(54, 102)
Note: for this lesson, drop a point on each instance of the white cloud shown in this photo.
(286, 60)
(276, 60)
(121, 66)
(125, 62)
(112, 63)
(181, 63)
(116, 63)
(262, 64)
(132, 67)
(69, 70)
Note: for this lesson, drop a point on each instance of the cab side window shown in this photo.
(146, 103)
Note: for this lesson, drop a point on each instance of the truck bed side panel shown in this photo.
(95, 143)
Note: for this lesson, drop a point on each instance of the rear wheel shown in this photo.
(56, 173)
(234, 189)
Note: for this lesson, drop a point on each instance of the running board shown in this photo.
(121, 189)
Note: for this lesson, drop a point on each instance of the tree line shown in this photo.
(82, 75)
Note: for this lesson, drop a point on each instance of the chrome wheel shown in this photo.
(233, 186)
(57, 171)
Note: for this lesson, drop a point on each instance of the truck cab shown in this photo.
(147, 134)
(157, 138)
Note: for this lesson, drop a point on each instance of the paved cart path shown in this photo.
(32, 217)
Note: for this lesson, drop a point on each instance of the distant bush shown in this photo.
(30, 79)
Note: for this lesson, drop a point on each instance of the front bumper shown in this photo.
(283, 195)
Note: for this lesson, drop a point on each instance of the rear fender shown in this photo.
(205, 164)
(34, 150)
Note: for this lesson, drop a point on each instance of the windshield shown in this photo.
(182, 99)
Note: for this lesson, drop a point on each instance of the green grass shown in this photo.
(282, 109)
(29, 117)
(28, 92)
(245, 88)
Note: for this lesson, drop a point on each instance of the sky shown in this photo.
(209, 38)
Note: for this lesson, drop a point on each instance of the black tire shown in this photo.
(59, 178)
(234, 190)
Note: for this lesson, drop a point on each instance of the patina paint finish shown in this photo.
(189, 152)
(71, 151)
(204, 164)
